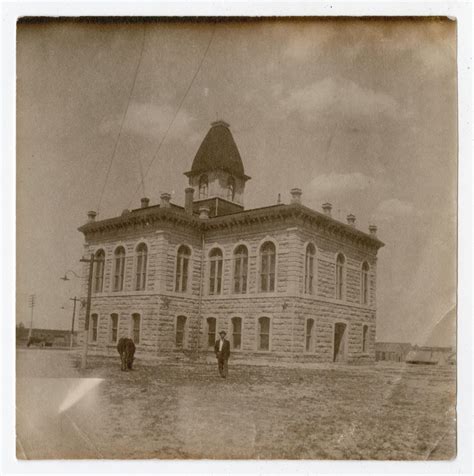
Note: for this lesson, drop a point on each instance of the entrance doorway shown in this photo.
(339, 342)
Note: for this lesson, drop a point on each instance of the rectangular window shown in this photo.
(113, 328)
(211, 331)
(236, 333)
(365, 332)
(264, 333)
(94, 325)
(180, 330)
(136, 328)
(309, 335)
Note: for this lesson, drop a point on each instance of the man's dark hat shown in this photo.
(222, 332)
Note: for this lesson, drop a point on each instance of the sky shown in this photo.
(360, 113)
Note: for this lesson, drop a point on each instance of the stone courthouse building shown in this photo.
(282, 280)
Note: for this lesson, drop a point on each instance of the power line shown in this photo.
(123, 121)
(155, 155)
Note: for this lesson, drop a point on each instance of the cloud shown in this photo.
(341, 98)
(307, 42)
(394, 208)
(151, 121)
(327, 184)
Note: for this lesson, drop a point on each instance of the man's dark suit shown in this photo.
(222, 356)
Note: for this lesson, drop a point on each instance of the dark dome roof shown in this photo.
(218, 151)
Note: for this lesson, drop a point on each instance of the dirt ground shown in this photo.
(185, 410)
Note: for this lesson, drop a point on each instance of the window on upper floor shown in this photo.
(211, 331)
(119, 268)
(99, 262)
(231, 189)
(141, 267)
(136, 323)
(236, 333)
(203, 186)
(364, 283)
(309, 269)
(215, 271)
(182, 265)
(267, 267)
(240, 269)
(340, 270)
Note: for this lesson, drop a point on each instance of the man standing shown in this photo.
(222, 350)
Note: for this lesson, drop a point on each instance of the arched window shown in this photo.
(236, 333)
(215, 274)
(267, 267)
(364, 283)
(119, 268)
(136, 322)
(231, 189)
(309, 269)
(140, 277)
(309, 335)
(113, 328)
(340, 261)
(241, 257)
(182, 264)
(211, 331)
(365, 335)
(203, 186)
(99, 261)
(180, 331)
(93, 327)
(264, 333)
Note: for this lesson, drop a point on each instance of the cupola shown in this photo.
(217, 173)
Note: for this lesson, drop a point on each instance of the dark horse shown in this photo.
(126, 349)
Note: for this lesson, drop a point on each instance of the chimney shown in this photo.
(188, 200)
(327, 207)
(145, 202)
(165, 200)
(296, 195)
(125, 211)
(204, 213)
(351, 220)
(91, 216)
(373, 230)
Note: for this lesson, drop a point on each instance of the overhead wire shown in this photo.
(122, 122)
(155, 155)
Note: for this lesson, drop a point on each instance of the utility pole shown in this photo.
(31, 304)
(73, 317)
(88, 310)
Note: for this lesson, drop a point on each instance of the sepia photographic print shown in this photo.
(236, 238)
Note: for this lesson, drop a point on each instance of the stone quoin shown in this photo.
(283, 281)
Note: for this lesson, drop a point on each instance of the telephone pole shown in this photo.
(31, 304)
(88, 310)
(75, 299)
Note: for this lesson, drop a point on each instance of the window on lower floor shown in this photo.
(136, 318)
(93, 327)
(180, 331)
(309, 335)
(211, 331)
(236, 333)
(113, 328)
(365, 335)
(264, 333)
